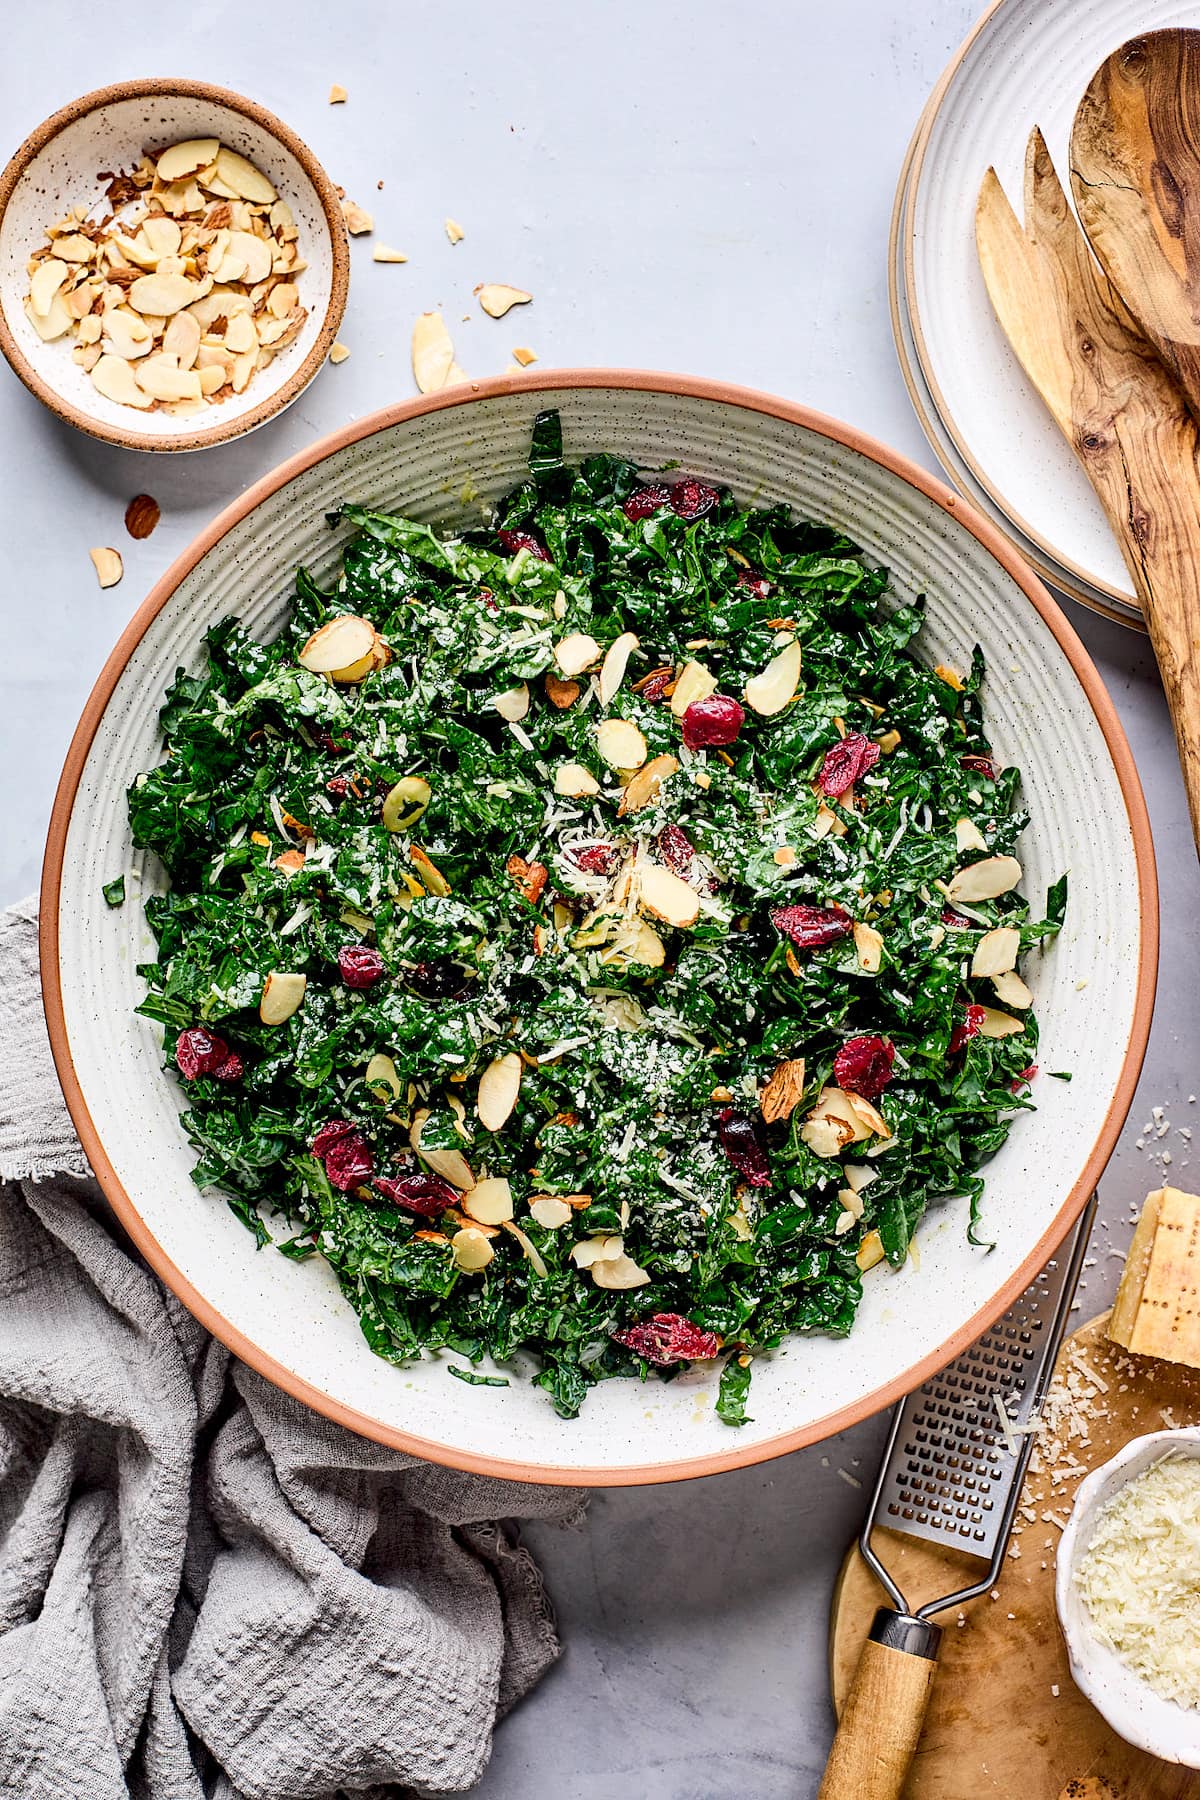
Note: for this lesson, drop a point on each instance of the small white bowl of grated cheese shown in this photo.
(1128, 1593)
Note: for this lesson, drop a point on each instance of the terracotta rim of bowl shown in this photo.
(300, 377)
(725, 394)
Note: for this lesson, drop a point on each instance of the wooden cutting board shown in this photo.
(1005, 1719)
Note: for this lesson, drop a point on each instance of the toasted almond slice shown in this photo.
(643, 787)
(524, 356)
(435, 882)
(107, 564)
(383, 1078)
(186, 158)
(282, 298)
(512, 704)
(162, 295)
(454, 231)
(451, 1165)
(127, 334)
(471, 1250)
(182, 340)
(859, 1175)
(996, 1024)
(432, 353)
(455, 375)
(996, 952)
(575, 782)
(113, 377)
(967, 836)
(338, 352)
(405, 803)
(775, 686)
(163, 235)
(86, 355)
(282, 995)
(213, 376)
(247, 182)
(78, 301)
(549, 1211)
(985, 880)
(489, 1201)
(869, 1115)
(47, 278)
(255, 252)
(784, 1090)
(870, 1252)
(619, 1273)
(869, 945)
(644, 947)
(616, 661)
(666, 896)
(338, 643)
(621, 744)
(240, 334)
(497, 298)
(590, 1251)
(499, 1086)
(74, 249)
(1011, 989)
(52, 324)
(560, 693)
(384, 253)
(337, 94)
(573, 654)
(161, 377)
(950, 676)
(695, 683)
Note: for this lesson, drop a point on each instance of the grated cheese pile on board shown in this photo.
(1140, 1577)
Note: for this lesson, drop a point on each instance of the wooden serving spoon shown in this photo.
(1135, 174)
(1124, 416)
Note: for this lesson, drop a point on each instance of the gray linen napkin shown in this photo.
(207, 1590)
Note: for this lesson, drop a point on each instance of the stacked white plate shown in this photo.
(1026, 63)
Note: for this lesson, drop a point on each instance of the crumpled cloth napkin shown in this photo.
(208, 1592)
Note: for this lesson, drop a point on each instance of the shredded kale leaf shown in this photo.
(114, 891)
(727, 995)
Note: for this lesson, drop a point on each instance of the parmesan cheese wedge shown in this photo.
(1157, 1310)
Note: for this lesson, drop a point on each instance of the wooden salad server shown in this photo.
(1122, 413)
(1135, 174)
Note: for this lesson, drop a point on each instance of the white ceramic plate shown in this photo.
(1048, 713)
(1026, 63)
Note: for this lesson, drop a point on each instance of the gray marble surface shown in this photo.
(692, 187)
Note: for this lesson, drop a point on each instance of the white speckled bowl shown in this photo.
(59, 166)
(1048, 712)
(1160, 1727)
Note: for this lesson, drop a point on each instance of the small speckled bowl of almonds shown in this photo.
(173, 265)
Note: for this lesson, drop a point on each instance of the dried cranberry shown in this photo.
(597, 859)
(715, 720)
(955, 921)
(863, 1066)
(676, 849)
(327, 741)
(513, 541)
(812, 927)
(759, 586)
(972, 1019)
(645, 501)
(982, 765)
(667, 1338)
(338, 786)
(656, 685)
(439, 979)
(231, 1069)
(421, 1192)
(345, 1153)
(740, 1142)
(361, 967)
(200, 1052)
(1023, 1079)
(846, 762)
(691, 499)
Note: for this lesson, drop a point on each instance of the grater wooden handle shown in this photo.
(885, 1709)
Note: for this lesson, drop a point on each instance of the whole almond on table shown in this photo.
(141, 516)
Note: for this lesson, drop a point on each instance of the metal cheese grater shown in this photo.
(949, 1477)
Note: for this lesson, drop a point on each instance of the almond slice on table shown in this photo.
(621, 744)
(337, 94)
(694, 682)
(338, 644)
(575, 653)
(497, 298)
(384, 253)
(643, 787)
(451, 1165)
(432, 353)
(666, 896)
(574, 782)
(338, 352)
(768, 692)
(985, 880)
(358, 220)
(186, 158)
(499, 1087)
(616, 661)
(282, 995)
(490, 1201)
(107, 564)
(454, 231)
(996, 952)
(524, 356)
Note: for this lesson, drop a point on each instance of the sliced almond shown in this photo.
(549, 1211)
(113, 377)
(1011, 989)
(870, 1251)
(621, 744)
(616, 661)
(499, 1087)
(512, 704)
(86, 355)
(619, 1273)
(338, 643)
(163, 235)
(107, 564)
(435, 882)
(575, 782)
(869, 1115)
(524, 356)
(182, 340)
(282, 298)
(643, 788)
(833, 1124)
(768, 692)
(127, 334)
(186, 158)
(240, 334)
(641, 946)
(985, 880)
(497, 298)
(869, 945)
(451, 1165)
(162, 378)
(454, 231)
(528, 1249)
(404, 803)
(996, 952)
(46, 280)
(338, 352)
(254, 253)
(383, 1078)
(282, 995)
(784, 1091)
(996, 1024)
(590, 1251)
(74, 249)
(162, 295)
(432, 353)
(90, 326)
(471, 1250)
(384, 253)
(489, 1201)
(247, 182)
(695, 682)
(859, 1176)
(574, 654)
(666, 896)
(337, 94)
(967, 836)
(54, 323)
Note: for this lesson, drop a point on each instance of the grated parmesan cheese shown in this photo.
(1140, 1577)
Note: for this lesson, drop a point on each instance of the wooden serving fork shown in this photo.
(1118, 408)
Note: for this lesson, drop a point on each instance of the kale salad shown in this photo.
(597, 934)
